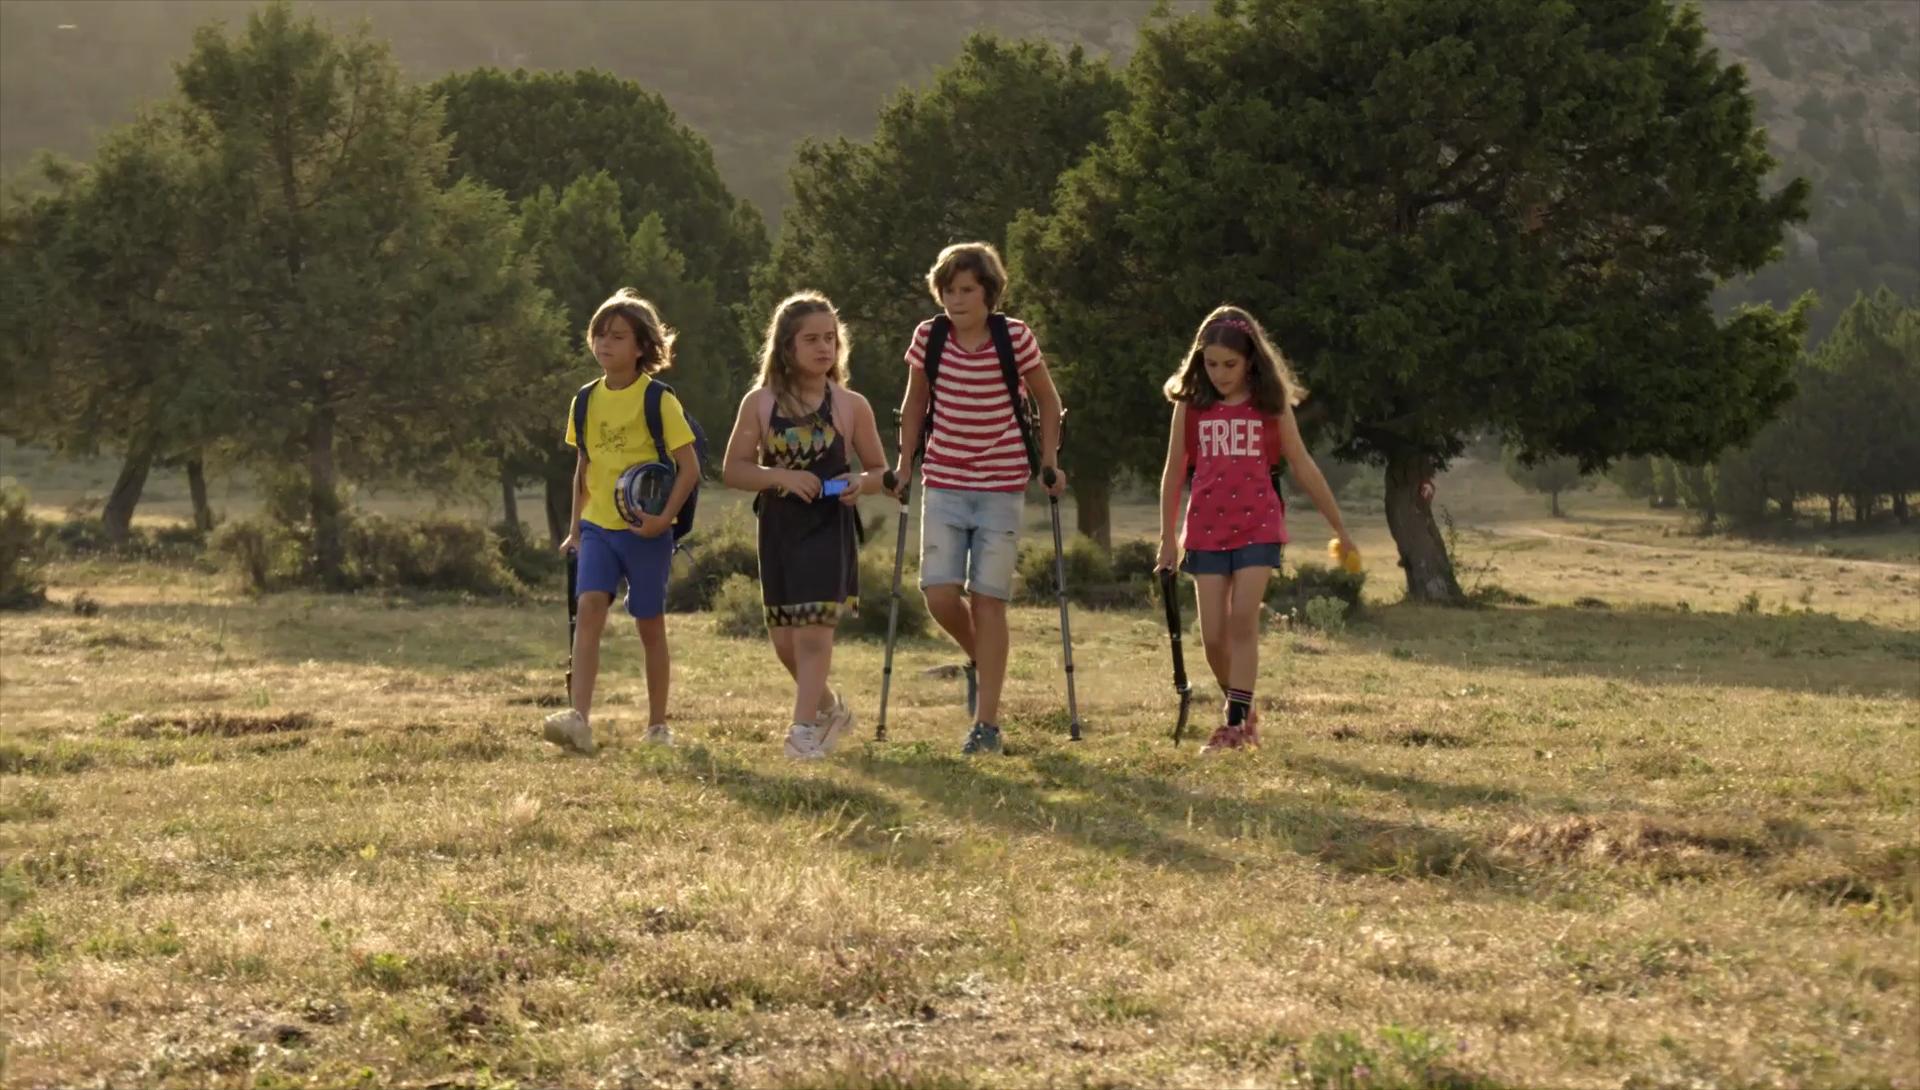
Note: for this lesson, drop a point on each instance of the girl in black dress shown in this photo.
(791, 438)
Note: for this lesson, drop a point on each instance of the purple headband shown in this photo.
(1235, 323)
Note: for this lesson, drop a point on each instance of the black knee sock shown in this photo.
(1238, 703)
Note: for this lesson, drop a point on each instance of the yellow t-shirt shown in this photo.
(617, 437)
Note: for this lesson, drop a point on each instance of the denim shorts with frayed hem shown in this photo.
(1228, 561)
(971, 538)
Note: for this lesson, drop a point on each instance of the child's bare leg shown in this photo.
(653, 636)
(1243, 626)
(1213, 594)
(590, 623)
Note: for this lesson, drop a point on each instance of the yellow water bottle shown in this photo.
(1348, 559)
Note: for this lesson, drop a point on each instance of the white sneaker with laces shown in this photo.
(658, 735)
(838, 723)
(803, 742)
(569, 730)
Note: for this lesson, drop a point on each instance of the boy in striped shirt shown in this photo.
(975, 467)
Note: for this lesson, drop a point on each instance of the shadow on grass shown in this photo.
(1152, 820)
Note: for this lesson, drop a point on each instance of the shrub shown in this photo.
(709, 561)
(1134, 558)
(737, 610)
(264, 555)
(1329, 615)
(1309, 581)
(1089, 572)
(532, 561)
(21, 583)
(876, 583)
(83, 535)
(425, 554)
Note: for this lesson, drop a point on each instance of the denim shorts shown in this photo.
(608, 555)
(1228, 561)
(971, 538)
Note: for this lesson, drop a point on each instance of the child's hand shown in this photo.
(855, 486)
(571, 545)
(1169, 557)
(653, 525)
(800, 483)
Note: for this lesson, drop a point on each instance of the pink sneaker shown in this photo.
(1225, 738)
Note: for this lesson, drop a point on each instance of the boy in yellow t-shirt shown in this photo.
(631, 344)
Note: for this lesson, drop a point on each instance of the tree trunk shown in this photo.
(559, 502)
(117, 519)
(1833, 512)
(1093, 508)
(197, 488)
(510, 503)
(1554, 504)
(1900, 509)
(1430, 576)
(323, 502)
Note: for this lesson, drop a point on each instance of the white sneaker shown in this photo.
(838, 723)
(803, 742)
(569, 730)
(658, 735)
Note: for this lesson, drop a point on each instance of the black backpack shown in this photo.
(938, 332)
(655, 396)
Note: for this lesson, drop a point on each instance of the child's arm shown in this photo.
(866, 444)
(1294, 449)
(1172, 480)
(740, 469)
(579, 502)
(1047, 399)
(913, 419)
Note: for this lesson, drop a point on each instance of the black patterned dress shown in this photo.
(809, 566)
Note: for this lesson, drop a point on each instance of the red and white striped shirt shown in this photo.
(974, 444)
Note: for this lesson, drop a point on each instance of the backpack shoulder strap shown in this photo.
(1002, 335)
(580, 418)
(938, 331)
(656, 394)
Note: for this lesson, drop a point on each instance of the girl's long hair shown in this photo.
(776, 352)
(1272, 381)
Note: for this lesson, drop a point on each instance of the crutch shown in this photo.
(891, 480)
(1060, 589)
(1169, 593)
(573, 613)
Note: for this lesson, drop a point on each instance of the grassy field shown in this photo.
(1664, 837)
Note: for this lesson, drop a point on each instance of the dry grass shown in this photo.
(316, 841)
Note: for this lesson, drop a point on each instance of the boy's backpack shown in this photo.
(655, 395)
(1269, 438)
(937, 334)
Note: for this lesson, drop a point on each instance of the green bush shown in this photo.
(425, 554)
(1292, 592)
(1134, 557)
(79, 537)
(737, 610)
(381, 553)
(21, 583)
(1088, 568)
(532, 560)
(264, 555)
(1329, 615)
(876, 584)
(708, 561)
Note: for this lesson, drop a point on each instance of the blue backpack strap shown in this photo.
(580, 418)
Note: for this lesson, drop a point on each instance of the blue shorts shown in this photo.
(645, 562)
(971, 538)
(1228, 561)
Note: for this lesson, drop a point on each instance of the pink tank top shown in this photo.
(1232, 448)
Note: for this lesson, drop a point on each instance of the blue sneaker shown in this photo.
(972, 674)
(983, 738)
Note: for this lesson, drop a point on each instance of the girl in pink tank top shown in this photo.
(1232, 429)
